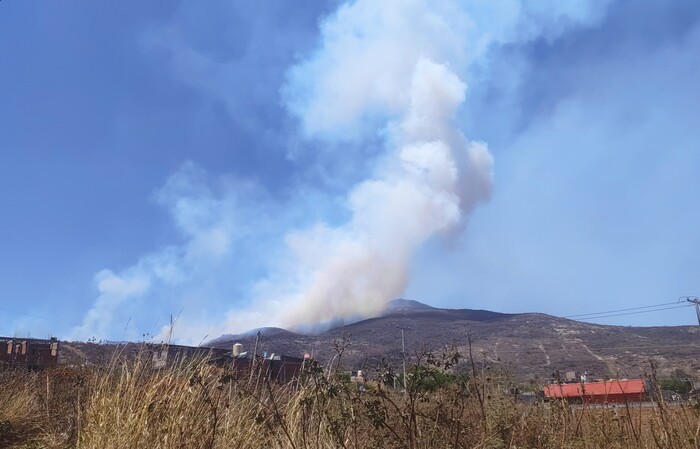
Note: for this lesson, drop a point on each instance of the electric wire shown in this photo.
(38, 317)
(632, 313)
(606, 348)
(622, 310)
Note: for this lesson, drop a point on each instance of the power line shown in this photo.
(632, 313)
(694, 300)
(689, 345)
(622, 310)
(607, 348)
(53, 320)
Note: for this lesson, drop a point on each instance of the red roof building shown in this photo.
(607, 392)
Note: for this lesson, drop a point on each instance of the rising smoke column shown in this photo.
(382, 59)
(429, 182)
(383, 68)
(388, 68)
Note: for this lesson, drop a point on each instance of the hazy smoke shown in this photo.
(390, 70)
(383, 66)
(431, 178)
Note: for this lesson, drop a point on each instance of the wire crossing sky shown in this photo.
(300, 164)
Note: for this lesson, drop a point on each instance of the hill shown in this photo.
(529, 345)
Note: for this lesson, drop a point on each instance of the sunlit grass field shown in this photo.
(193, 404)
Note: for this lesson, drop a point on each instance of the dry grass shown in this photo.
(197, 405)
(18, 409)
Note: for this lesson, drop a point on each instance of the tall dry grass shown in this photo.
(19, 409)
(193, 404)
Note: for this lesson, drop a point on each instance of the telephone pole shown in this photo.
(694, 300)
(255, 353)
(403, 354)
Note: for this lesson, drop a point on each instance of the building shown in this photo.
(605, 392)
(30, 352)
(165, 355)
(279, 368)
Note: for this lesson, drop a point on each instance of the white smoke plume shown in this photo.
(382, 66)
(392, 70)
(429, 180)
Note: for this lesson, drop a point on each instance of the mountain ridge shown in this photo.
(531, 346)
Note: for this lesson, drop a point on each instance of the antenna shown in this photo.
(125, 327)
(172, 325)
(170, 330)
(693, 300)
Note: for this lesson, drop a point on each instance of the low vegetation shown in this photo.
(193, 404)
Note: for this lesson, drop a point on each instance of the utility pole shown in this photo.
(255, 352)
(403, 354)
(694, 300)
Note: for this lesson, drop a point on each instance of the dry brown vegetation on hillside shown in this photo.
(529, 345)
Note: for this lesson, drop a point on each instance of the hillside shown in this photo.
(529, 345)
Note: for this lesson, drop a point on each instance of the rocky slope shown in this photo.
(531, 346)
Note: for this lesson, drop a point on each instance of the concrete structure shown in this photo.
(166, 355)
(33, 353)
(280, 368)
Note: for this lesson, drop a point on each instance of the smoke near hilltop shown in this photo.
(425, 184)
(393, 73)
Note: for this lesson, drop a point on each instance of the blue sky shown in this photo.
(238, 165)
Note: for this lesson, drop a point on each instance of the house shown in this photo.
(33, 353)
(165, 355)
(279, 368)
(276, 367)
(605, 392)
